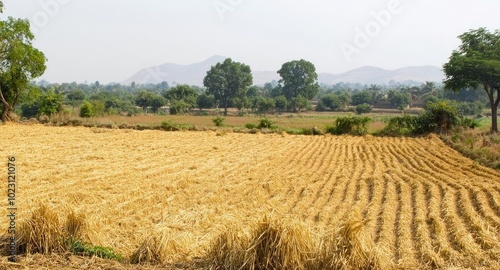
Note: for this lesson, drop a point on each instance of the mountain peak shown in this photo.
(193, 74)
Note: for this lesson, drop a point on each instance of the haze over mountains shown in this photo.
(193, 74)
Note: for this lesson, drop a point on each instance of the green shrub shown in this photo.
(86, 110)
(250, 126)
(168, 126)
(265, 123)
(363, 108)
(84, 249)
(353, 125)
(218, 121)
(401, 125)
(439, 117)
(469, 123)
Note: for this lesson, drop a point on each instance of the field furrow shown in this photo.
(423, 204)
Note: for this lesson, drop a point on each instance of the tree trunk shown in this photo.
(494, 119)
(225, 107)
(494, 102)
(4, 115)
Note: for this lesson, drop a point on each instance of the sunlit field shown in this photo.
(415, 202)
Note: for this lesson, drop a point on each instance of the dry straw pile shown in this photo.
(195, 198)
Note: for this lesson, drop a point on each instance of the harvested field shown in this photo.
(421, 203)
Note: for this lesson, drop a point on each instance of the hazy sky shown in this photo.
(110, 40)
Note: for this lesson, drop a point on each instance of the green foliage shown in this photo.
(398, 99)
(50, 103)
(361, 97)
(281, 103)
(363, 108)
(265, 123)
(301, 103)
(182, 93)
(402, 126)
(469, 123)
(98, 107)
(477, 63)
(156, 102)
(250, 126)
(20, 63)
(470, 108)
(329, 102)
(178, 107)
(169, 126)
(241, 102)
(80, 248)
(76, 95)
(299, 78)
(205, 101)
(228, 80)
(438, 117)
(353, 125)
(265, 104)
(147, 99)
(218, 121)
(86, 110)
(30, 110)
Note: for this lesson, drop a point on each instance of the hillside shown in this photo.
(193, 74)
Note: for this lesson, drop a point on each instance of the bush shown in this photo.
(177, 107)
(266, 105)
(218, 121)
(30, 110)
(168, 126)
(84, 249)
(86, 110)
(363, 108)
(353, 125)
(281, 103)
(265, 123)
(401, 125)
(439, 117)
(469, 123)
(250, 126)
(470, 108)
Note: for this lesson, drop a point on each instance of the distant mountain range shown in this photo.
(193, 74)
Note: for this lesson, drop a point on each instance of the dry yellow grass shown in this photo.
(176, 193)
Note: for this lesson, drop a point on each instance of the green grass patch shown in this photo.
(84, 249)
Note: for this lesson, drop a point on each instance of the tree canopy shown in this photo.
(299, 79)
(20, 62)
(182, 92)
(476, 63)
(228, 80)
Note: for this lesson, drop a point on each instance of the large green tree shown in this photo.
(476, 63)
(146, 99)
(182, 92)
(20, 62)
(299, 79)
(228, 80)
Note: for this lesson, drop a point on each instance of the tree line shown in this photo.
(472, 69)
